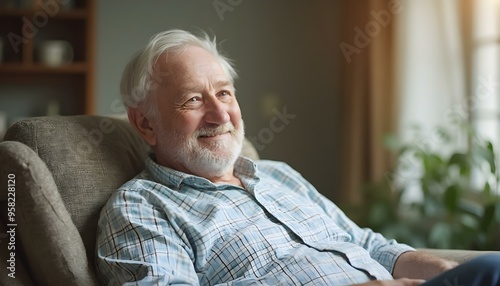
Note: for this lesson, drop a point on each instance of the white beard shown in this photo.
(213, 160)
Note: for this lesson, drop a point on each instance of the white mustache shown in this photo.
(214, 131)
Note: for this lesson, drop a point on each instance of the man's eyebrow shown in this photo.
(195, 87)
(223, 83)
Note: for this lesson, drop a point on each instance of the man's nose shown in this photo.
(216, 112)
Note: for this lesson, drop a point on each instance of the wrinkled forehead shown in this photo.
(189, 65)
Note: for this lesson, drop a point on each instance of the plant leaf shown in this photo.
(487, 154)
(461, 161)
(451, 197)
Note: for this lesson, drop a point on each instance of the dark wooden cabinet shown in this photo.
(27, 82)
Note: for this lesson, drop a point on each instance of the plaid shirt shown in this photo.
(166, 227)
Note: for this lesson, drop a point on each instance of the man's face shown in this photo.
(199, 129)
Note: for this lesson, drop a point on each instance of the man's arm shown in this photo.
(413, 268)
(384, 251)
(418, 265)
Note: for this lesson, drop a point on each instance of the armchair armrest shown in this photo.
(456, 255)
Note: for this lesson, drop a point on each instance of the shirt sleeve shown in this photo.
(384, 251)
(137, 246)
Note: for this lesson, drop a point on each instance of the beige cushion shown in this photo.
(88, 157)
(249, 151)
(43, 223)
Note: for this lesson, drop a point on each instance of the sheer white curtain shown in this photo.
(430, 74)
(429, 65)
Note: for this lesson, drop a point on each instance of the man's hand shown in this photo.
(418, 265)
(398, 282)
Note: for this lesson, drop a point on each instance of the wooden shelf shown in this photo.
(25, 82)
(27, 12)
(20, 68)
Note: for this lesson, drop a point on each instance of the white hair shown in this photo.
(138, 77)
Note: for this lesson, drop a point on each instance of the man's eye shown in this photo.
(225, 95)
(193, 101)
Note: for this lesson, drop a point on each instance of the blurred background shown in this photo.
(340, 90)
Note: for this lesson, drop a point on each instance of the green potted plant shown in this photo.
(458, 204)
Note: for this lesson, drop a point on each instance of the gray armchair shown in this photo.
(64, 169)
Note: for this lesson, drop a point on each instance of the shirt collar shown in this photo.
(244, 168)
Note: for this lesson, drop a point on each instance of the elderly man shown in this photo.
(201, 215)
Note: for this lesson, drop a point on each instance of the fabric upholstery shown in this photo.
(88, 158)
(249, 151)
(43, 223)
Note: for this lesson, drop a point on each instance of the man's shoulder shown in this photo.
(280, 172)
(270, 167)
(139, 181)
(137, 188)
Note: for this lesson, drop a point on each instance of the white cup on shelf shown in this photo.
(55, 53)
(67, 4)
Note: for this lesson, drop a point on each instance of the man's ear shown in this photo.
(143, 125)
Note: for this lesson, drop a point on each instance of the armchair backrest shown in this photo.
(66, 167)
(87, 157)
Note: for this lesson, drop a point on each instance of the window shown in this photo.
(485, 100)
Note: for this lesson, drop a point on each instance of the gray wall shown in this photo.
(286, 52)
